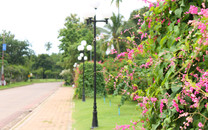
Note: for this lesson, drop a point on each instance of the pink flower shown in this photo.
(200, 124)
(153, 100)
(169, 23)
(151, 5)
(203, 5)
(130, 54)
(149, 25)
(157, 4)
(142, 36)
(176, 105)
(193, 10)
(177, 38)
(189, 119)
(204, 12)
(202, 27)
(113, 51)
(162, 105)
(162, 21)
(121, 54)
(179, 20)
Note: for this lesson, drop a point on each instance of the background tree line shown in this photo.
(20, 61)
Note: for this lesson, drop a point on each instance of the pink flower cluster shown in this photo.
(121, 55)
(193, 10)
(130, 53)
(123, 127)
(140, 49)
(113, 51)
(162, 104)
(175, 105)
(148, 64)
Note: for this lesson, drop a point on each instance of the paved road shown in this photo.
(15, 103)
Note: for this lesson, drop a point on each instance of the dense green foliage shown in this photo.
(167, 72)
(71, 36)
(160, 62)
(89, 80)
(20, 61)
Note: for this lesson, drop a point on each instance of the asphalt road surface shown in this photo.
(15, 103)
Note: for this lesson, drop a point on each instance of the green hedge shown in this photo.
(89, 80)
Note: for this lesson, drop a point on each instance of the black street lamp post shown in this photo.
(83, 58)
(94, 21)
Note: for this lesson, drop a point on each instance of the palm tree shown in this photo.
(113, 31)
(48, 46)
(117, 4)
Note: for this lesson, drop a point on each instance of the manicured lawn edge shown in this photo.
(108, 116)
(20, 84)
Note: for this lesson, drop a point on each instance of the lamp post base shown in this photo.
(83, 98)
(94, 120)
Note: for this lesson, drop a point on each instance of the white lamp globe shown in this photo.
(83, 43)
(75, 64)
(85, 57)
(81, 55)
(79, 48)
(89, 47)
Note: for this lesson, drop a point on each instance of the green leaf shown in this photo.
(171, 40)
(155, 126)
(166, 85)
(175, 88)
(176, 31)
(162, 41)
(167, 120)
(178, 12)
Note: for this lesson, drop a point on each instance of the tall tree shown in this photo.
(114, 31)
(117, 4)
(71, 36)
(44, 62)
(48, 46)
(16, 51)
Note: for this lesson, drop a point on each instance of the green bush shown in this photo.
(112, 69)
(89, 80)
(67, 75)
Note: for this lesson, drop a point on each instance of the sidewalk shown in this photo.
(55, 113)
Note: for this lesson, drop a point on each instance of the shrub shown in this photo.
(177, 47)
(111, 69)
(66, 74)
(89, 80)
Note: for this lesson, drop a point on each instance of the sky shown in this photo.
(39, 21)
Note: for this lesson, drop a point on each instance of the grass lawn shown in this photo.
(18, 84)
(108, 115)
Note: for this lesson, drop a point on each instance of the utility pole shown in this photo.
(2, 67)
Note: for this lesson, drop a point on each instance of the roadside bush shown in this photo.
(177, 50)
(66, 74)
(15, 73)
(112, 69)
(89, 80)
